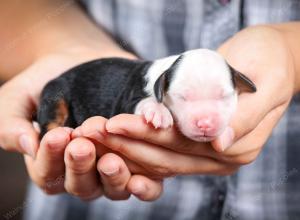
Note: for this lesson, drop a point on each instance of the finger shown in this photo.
(50, 187)
(18, 134)
(102, 150)
(94, 126)
(144, 188)
(16, 130)
(243, 159)
(94, 129)
(81, 174)
(162, 161)
(114, 176)
(134, 126)
(241, 150)
(251, 109)
(48, 167)
(76, 133)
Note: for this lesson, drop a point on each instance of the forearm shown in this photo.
(291, 33)
(35, 28)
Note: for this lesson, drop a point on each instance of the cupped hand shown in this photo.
(60, 164)
(67, 163)
(260, 53)
(19, 96)
(112, 167)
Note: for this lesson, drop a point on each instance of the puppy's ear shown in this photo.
(241, 82)
(162, 84)
(160, 87)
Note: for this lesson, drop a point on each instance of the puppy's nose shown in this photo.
(206, 124)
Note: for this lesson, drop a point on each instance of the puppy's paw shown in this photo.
(155, 113)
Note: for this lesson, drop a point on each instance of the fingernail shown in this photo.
(79, 157)
(80, 153)
(227, 139)
(26, 145)
(110, 172)
(94, 134)
(56, 141)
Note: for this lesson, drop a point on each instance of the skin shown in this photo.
(165, 152)
(36, 54)
(152, 154)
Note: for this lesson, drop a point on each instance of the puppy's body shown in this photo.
(196, 89)
(105, 87)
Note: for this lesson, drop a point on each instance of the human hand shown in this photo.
(19, 96)
(65, 163)
(63, 41)
(260, 53)
(116, 172)
(45, 162)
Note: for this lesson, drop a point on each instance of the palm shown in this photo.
(261, 54)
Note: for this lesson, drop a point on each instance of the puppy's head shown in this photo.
(200, 89)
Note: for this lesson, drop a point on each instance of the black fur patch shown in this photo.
(104, 87)
(240, 81)
(162, 84)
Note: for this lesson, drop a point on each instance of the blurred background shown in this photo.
(13, 184)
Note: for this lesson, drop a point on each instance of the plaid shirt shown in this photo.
(267, 189)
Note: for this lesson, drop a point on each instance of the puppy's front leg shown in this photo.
(154, 112)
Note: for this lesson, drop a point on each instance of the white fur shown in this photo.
(200, 92)
(154, 112)
(156, 69)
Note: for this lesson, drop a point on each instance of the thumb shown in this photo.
(251, 110)
(18, 134)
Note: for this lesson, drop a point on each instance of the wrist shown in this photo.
(92, 44)
(74, 34)
(80, 49)
(78, 53)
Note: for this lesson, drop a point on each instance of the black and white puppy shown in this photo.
(196, 89)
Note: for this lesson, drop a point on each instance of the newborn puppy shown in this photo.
(196, 89)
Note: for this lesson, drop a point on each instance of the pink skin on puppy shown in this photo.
(199, 94)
